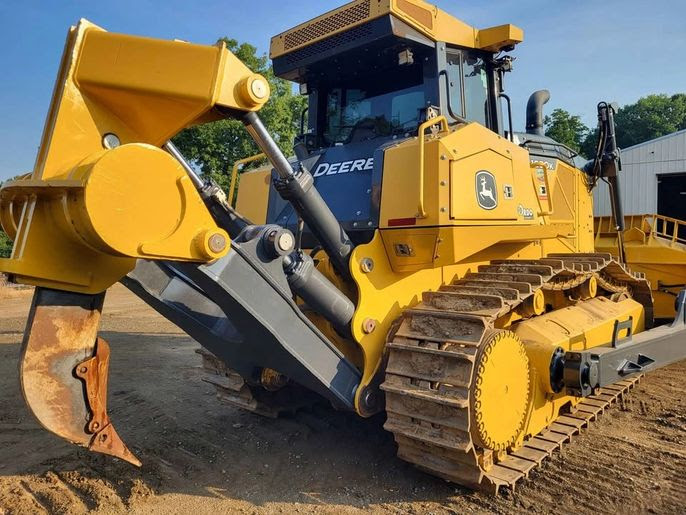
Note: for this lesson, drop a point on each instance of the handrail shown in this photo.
(234, 173)
(421, 213)
(659, 228)
(654, 225)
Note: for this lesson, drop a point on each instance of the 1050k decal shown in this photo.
(356, 165)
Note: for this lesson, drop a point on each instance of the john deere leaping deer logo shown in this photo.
(486, 191)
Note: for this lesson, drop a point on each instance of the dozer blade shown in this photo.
(64, 368)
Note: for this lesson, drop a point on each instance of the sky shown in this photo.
(583, 51)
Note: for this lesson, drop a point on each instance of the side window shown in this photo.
(476, 89)
(455, 82)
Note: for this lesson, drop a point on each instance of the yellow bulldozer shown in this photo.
(415, 257)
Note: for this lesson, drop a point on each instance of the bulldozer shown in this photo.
(415, 257)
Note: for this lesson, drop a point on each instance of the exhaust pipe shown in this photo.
(534, 112)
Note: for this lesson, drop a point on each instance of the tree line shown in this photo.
(648, 118)
(5, 245)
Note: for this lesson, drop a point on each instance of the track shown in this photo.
(434, 359)
(232, 389)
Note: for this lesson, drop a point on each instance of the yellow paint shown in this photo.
(443, 122)
(98, 221)
(451, 162)
(457, 235)
(456, 228)
(383, 294)
(583, 326)
(90, 204)
(501, 380)
(424, 17)
(653, 247)
(234, 173)
(445, 246)
(253, 195)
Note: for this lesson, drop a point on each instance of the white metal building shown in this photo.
(653, 179)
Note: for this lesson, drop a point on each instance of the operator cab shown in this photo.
(371, 80)
(385, 87)
(390, 93)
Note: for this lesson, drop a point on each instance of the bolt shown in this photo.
(369, 190)
(258, 88)
(370, 398)
(369, 224)
(358, 213)
(96, 425)
(368, 325)
(217, 242)
(366, 265)
(354, 224)
(83, 370)
(103, 437)
(443, 157)
(443, 210)
(110, 141)
(443, 183)
(285, 241)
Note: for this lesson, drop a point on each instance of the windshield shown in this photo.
(382, 105)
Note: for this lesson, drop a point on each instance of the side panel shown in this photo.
(454, 189)
(489, 195)
(482, 196)
(253, 195)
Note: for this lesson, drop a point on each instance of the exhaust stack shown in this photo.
(534, 112)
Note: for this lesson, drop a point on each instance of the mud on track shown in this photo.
(203, 457)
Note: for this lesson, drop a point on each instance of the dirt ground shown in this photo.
(204, 457)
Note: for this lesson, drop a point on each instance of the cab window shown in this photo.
(379, 103)
(454, 70)
(475, 89)
(468, 86)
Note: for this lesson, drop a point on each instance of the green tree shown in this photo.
(588, 145)
(649, 118)
(214, 147)
(5, 245)
(565, 128)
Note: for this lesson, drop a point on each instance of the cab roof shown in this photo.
(427, 19)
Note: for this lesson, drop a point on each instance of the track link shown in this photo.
(430, 376)
(232, 389)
